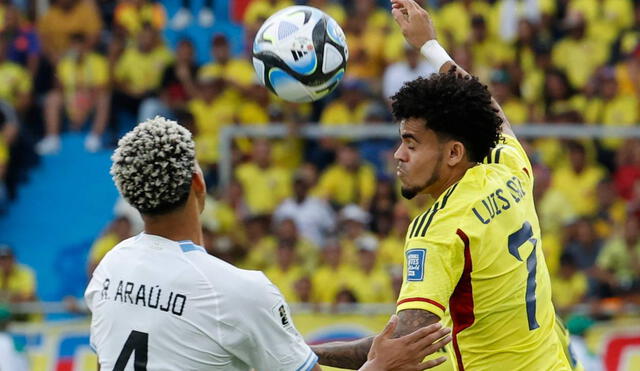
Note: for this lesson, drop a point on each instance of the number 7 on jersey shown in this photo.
(516, 240)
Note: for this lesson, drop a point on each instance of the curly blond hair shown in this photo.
(153, 165)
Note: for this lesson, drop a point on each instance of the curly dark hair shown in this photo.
(454, 107)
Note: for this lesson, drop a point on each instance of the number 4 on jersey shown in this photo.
(137, 342)
(516, 240)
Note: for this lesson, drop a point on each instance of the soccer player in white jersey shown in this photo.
(160, 302)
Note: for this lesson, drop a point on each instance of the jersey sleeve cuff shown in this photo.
(308, 364)
(421, 303)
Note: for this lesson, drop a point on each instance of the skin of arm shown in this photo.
(353, 354)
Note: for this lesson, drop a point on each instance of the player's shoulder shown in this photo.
(443, 213)
(230, 281)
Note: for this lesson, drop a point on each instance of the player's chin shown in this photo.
(408, 192)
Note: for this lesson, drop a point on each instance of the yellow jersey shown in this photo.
(475, 260)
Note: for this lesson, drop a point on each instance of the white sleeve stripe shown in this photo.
(311, 361)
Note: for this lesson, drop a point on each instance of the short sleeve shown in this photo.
(509, 152)
(431, 271)
(267, 338)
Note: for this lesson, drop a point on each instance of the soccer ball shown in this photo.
(300, 54)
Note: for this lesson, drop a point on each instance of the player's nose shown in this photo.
(400, 154)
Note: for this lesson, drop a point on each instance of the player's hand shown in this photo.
(406, 353)
(415, 23)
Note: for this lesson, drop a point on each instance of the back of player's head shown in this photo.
(153, 166)
(454, 107)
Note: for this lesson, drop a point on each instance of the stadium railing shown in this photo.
(390, 131)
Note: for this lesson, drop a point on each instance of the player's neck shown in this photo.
(452, 178)
(179, 225)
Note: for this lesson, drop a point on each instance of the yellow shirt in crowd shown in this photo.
(142, 72)
(14, 81)
(21, 281)
(264, 189)
(344, 187)
(579, 189)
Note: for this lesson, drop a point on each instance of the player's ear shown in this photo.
(455, 153)
(197, 182)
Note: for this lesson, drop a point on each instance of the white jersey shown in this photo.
(158, 304)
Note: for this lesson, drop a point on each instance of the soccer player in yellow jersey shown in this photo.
(473, 260)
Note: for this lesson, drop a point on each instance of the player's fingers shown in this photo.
(407, 5)
(399, 17)
(431, 338)
(388, 330)
(431, 363)
(417, 335)
(430, 349)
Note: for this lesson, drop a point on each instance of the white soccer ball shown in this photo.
(300, 53)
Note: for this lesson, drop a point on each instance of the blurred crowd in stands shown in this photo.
(323, 219)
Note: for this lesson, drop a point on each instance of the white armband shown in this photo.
(435, 54)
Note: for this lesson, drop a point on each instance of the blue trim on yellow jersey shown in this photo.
(187, 246)
(308, 364)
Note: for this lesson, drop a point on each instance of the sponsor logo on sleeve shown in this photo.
(415, 264)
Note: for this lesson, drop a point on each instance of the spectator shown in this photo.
(502, 89)
(182, 18)
(383, 199)
(455, 20)
(628, 168)
(569, 286)
(304, 290)
(390, 253)
(365, 56)
(237, 72)
(138, 72)
(9, 128)
(17, 281)
(560, 100)
(412, 67)
(313, 217)
(258, 244)
(584, 248)
(578, 54)
(24, 44)
(604, 19)
(10, 356)
(610, 107)
(378, 151)
(353, 222)
(118, 230)
(610, 211)
(180, 77)
(63, 19)
(554, 214)
(211, 112)
(177, 86)
(15, 86)
(285, 273)
(333, 8)
(82, 90)
(350, 108)
(348, 180)
(532, 81)
(369, 282)
(619, 262)
(332, 276)
(578, 181)
(131, 15)
(307, 251)
(628, 70)
(265, 185)
(487, 51)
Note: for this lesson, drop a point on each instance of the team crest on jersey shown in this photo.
(415, 264)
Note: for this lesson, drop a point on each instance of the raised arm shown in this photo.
(418, 29)
(416, 333)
